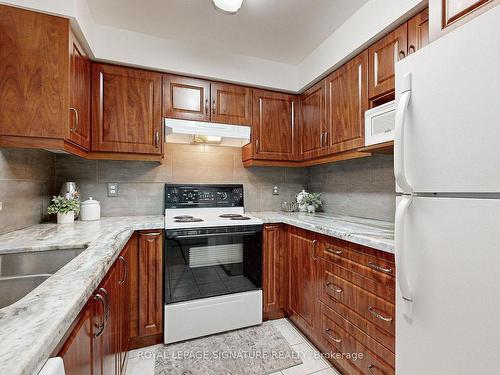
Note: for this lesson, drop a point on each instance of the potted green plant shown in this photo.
(65, 208)
(313, 202)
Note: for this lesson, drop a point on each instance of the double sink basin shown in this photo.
(20, 273)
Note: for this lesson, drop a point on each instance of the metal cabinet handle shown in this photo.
(379, 316)
(411, 49)
(77, 119)
(101, 325)
(321, 140)
(333, 287)
(402, 55)
(151, 234)
(157, 139)
(206, 107)
(106, 296)
(327, 134)
(214, 107)
(370, 369)
(314, 243)
(328, 332)
(125, 269)
(375, 267)
(257, 146)
(333, 251)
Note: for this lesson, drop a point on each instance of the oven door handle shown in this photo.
(210, 235)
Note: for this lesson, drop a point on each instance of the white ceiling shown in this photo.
(281, 30)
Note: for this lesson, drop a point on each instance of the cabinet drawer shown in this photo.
(329, 315)
(348, 341)
(373, 264)
(368, 305)
(344, 271)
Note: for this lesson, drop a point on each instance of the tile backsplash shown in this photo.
(26, 186)
(360, 187)
(141, 184)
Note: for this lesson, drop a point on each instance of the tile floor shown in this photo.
(141, 361)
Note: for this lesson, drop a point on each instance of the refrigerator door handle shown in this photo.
(401, 272)
(399, 134)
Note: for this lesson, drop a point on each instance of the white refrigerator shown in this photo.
(447, 167)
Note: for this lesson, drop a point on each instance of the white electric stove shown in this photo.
(213, 262)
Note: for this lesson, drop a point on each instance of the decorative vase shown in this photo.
(65, 218)
(311, 209)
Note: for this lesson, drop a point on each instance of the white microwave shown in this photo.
(379, 124)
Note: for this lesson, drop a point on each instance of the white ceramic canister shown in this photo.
(91, 210)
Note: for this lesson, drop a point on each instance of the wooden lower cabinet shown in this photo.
(110, 323)
(339, 294)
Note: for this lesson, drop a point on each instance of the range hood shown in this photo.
(197, 132)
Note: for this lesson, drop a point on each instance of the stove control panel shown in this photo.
(193, 196)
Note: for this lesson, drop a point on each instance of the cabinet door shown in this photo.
(347, 103)
(274, 130)
(34, 57)
(126, 110)
(150, 283)
(383, 56)
(418, 31)
(312, 121)
(77, 351)
(303, 296)
(274, 272)
(186, 98)
(79, 95)
(231, 104)
(124, 300)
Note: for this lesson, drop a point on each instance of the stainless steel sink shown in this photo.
(20, 273)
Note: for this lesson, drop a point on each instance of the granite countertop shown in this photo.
(376, 234)
(31, 328)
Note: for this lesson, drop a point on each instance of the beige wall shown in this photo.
(141, 184)
(26, 186)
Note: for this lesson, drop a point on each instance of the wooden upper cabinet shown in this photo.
(274, 128)
(186, 98)
(126, 110)
(418, 31)
(150, 283)
(231, 104)
(383, 56)
(347, 98)
(313, 126)
(79, 98)
(34, 95)
(445, 15)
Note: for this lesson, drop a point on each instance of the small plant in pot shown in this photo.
(313, 202)
(66, 209)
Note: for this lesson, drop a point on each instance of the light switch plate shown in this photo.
(112, 189)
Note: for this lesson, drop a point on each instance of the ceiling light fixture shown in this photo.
(228, 6)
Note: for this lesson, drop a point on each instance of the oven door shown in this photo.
(208, 262)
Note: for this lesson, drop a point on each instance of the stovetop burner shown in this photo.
(230, 216)
(188, 220)
(240, 218)
(184, 217)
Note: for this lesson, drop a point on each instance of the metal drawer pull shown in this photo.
(329, 332)
(314, 243)
(333, 287)
(101, 325)
(379, 316)
(77, 119)
(373, 266)
(125, 269)
(157, 139)
(370, 369)
(105, 293)
(333, 251)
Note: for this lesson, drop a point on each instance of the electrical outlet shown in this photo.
(112, 189)
(276, 190)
